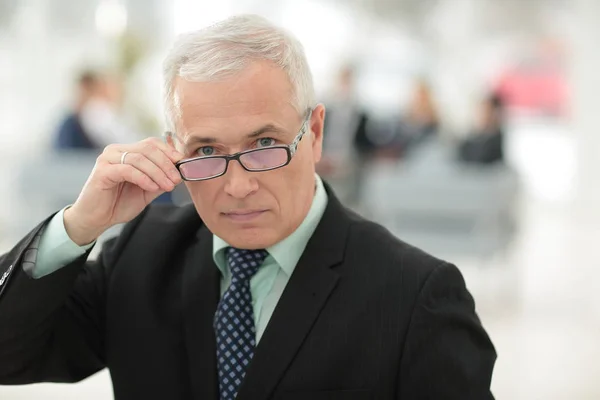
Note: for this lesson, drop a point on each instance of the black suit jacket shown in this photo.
(364, 316)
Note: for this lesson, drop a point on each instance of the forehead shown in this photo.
(261, 93)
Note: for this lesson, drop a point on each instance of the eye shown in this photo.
(206, 151)
(265, 142)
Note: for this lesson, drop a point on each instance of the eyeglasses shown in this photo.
(256, 160)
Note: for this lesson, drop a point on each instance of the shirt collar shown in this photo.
(287, 252)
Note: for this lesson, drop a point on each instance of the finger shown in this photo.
(167, 149)
(113, 152)
(142, 163)
(160, 153)
(120, 173)
(160, 157)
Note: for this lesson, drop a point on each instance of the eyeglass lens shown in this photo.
(260, 160)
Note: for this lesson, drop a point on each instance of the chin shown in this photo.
(251, 239)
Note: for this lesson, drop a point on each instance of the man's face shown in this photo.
(249, 210)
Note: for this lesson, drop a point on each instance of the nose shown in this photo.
(239, 182)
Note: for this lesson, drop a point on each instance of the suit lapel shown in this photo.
(201, 295)
(303, 299)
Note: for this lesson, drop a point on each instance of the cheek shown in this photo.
(294, 187)
(203, 195)
(303, 167)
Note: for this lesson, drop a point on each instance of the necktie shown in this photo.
(234, 321)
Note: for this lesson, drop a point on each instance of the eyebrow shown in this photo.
(269, 128)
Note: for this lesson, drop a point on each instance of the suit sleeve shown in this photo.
(52, 328)
(448, 354)
(55, 248)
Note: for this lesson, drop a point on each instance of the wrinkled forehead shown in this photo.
(260, 94)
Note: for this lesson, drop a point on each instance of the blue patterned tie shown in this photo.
(234, 321)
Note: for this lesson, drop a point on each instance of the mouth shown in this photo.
(243, 215)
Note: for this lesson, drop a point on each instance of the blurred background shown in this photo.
(467, 127)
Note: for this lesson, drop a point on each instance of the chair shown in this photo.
(445, 208)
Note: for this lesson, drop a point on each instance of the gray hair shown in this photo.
(223, 49)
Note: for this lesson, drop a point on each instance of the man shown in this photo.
(95, 121)
(265, 288)
(346, 145)
(72, 132)
(485, 146)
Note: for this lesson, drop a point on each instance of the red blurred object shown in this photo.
(541, 91)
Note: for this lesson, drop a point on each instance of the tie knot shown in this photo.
(243, 264)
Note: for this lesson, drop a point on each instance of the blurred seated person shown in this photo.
(485, 144)
(94, 122)
(418, 123)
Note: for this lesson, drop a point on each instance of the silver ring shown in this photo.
(123, 157)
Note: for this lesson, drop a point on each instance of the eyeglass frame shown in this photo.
(290, 149)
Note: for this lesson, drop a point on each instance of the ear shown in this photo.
(317, 123)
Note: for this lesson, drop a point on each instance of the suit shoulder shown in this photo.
(371, 241)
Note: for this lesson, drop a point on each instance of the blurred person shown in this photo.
(422, 120)
(265, 287)
(346, 122)
(346, 145)
(95, 121)
(485, 145)
(71, 134)
(418, 123)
